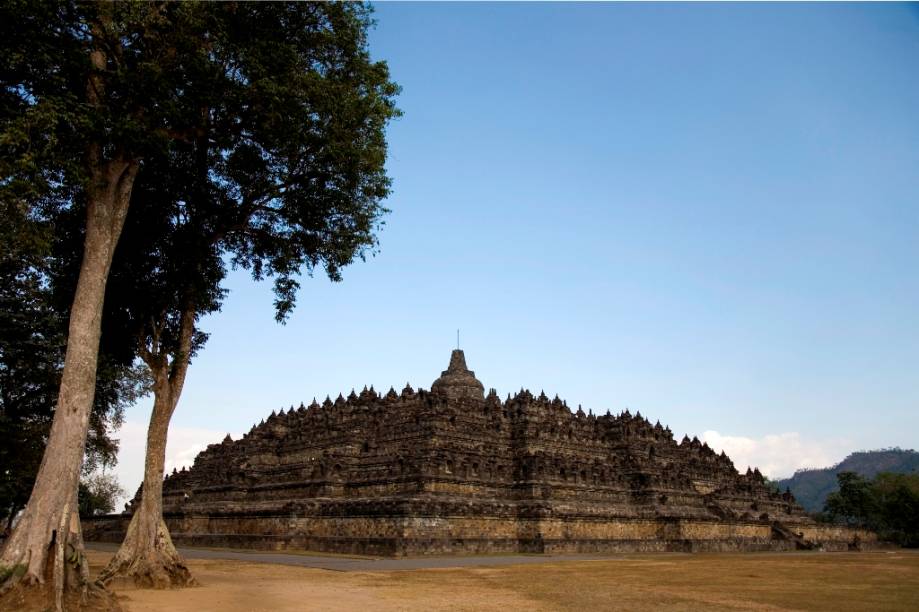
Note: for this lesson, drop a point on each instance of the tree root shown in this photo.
(33, 596)
(50, 572)
(150, 572)
(29, 594)
(148, 557)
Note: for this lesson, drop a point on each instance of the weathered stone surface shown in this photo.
(455, 471)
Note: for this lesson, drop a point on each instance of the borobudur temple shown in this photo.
(453, 470)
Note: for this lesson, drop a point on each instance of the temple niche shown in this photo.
(456, 470)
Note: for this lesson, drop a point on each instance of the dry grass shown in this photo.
(804, 581)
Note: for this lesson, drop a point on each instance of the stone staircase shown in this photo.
(781, 531)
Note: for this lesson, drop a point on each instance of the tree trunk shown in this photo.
(49, 527)
(147, 554)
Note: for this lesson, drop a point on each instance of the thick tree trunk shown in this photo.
(147, 554)
(48, 533)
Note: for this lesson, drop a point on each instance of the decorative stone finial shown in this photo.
(458, 381)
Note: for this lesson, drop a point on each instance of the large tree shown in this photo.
(36, 284)
(285, 174)
(89, 90)
(166, 276)
(282, 109)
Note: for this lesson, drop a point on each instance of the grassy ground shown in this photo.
(800, 581)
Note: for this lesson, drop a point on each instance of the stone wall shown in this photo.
(397, 536)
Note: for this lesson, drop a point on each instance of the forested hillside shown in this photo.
(811, 486)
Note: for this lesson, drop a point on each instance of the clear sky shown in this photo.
(708, 213)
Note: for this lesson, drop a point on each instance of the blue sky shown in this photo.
(708, 213)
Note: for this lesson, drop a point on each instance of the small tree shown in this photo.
(99, 494)
(897, 499)
(854, 502)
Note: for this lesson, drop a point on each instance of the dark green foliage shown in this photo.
(888, 504)
(267, 120)
(165, 264)
(897, 498)
(292, 139)
(811, 487)
(854, 502)
(772, 485)
(54, 121)
(281, 169)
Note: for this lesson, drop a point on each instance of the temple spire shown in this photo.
(457, 363)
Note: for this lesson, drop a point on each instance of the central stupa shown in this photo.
(458, 381)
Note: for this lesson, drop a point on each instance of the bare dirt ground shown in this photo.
(801, 581)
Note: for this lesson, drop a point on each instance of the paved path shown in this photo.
(343, 563)
(364, 564)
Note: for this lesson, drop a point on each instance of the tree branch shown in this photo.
(182, 357)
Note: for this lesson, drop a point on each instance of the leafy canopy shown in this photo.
(279, 169)
(887, 504)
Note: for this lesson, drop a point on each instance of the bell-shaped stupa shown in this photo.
(458, 381)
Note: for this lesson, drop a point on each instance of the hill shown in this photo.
(811, 486)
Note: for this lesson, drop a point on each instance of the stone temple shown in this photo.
(453, 470)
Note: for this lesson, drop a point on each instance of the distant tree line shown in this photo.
(895, 450)
(812, 486)
(887, 504)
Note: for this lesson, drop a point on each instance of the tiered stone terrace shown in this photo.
(453, 470)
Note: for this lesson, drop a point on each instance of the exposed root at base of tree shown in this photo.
(154, 573)
(39, 597)
(148, 557)
(46, 569)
